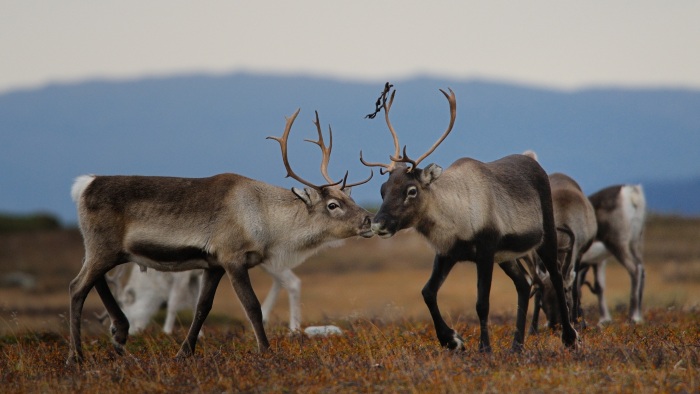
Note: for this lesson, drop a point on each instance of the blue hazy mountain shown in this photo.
(200, 125)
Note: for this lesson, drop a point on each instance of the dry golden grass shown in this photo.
(372, 356)
(371, 288)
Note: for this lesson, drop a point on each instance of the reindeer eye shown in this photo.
(332, 206)
(412, 191)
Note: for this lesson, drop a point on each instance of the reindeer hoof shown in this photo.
(485, 349)
(517, 347)
(119, 334)
(118, 348)
(455, 343)
(182, 356)
(185, 352)
(572, 342)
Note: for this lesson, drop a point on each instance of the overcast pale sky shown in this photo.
(552, 43)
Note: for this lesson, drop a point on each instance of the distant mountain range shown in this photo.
(200, 125)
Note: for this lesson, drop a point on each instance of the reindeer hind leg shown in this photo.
(548, 253)
(91, 274)
(120, 325)
(522, 285)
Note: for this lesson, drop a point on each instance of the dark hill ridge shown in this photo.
(199, 125)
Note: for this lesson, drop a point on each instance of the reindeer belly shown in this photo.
(512, 246)
(504, 248)
(596, 253)
(168, 258)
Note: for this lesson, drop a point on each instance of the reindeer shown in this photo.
(226, 223)
(482, 212)
(144, 292)
(574, 216)
(621, 213)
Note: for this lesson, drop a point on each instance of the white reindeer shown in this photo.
(482, 212)
(621, 213)
(227, 223)
(144, 292)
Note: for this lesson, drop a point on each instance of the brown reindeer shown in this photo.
(575, 219)
(223, 224)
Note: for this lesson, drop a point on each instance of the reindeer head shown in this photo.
(407, 191)
(331, 200)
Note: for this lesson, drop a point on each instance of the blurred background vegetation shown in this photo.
(13, 223)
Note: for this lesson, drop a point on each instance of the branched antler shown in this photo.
(453, 115)
(397, 157)
(325, 151)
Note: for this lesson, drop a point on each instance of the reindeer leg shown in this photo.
(623, 254)
(581, 272)
(446, 335)
(293, 285)
(599, 286)
(271, 297)
(484, 272)
(79, 288)
(120, 324)
(240, 279)
(522, 285)
(177, 299)
(548, 254)
(637, 283)
(537, 305)
(210, 280)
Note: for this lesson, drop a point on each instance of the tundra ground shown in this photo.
(371, 289)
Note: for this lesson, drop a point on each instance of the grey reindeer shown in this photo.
(621, 214)
(573, 216)
(472, 211)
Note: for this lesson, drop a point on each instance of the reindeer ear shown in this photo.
(347, 191)
(430, 173)
(308, 195)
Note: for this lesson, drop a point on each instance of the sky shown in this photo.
(555, 44)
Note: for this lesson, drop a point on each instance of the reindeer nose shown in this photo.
(367, 222)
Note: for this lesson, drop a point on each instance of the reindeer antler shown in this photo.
(325, 151)
(453, 115)
(397, 157)
(397, 148)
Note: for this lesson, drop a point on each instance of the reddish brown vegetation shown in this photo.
(389, 345)
(373, 356)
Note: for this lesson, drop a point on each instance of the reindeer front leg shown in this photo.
(210, 281)
(446, 335)
(240, 279)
